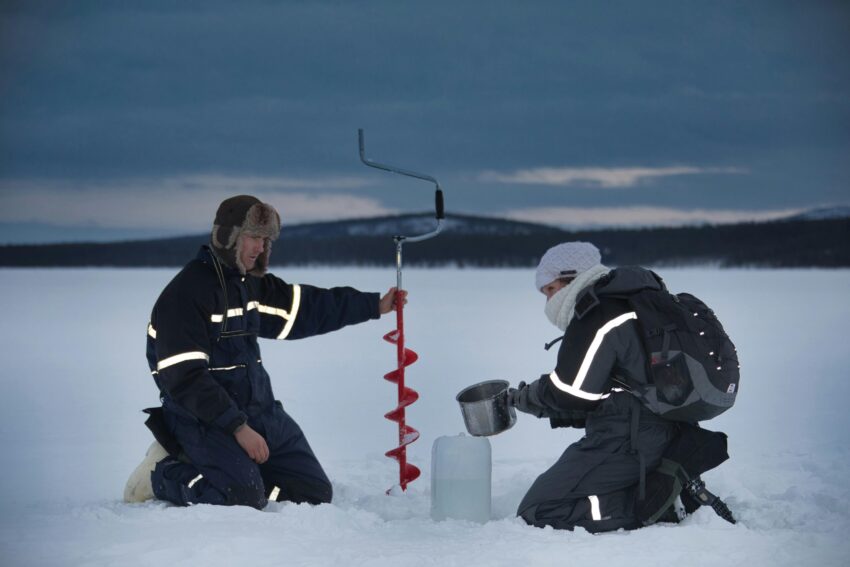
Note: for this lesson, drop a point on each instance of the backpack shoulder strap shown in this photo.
(655, 309)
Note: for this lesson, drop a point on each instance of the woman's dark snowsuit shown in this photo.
(202, 350)
(594, 483)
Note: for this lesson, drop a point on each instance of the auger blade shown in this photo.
(410, 357)
(393, 376)
(408, 435)
(411, 473)
(392, 336)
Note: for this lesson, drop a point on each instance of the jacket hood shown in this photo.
(618, 282)
(629, 279)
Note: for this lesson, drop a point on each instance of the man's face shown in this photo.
(553, 287)
(250, 249)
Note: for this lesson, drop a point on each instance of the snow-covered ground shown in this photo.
(74, 379)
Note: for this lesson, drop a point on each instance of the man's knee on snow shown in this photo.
(181, 484)
(253, 495)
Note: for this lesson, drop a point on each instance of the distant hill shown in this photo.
(836, 212)
(482, 241)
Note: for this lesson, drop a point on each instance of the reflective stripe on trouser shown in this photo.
(595, 513)
(601, 464)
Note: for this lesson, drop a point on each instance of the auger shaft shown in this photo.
(406, 396)
(405, 357)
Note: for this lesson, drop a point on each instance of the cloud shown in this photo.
(596, 217)
(181, 204)
(264, 183)
(605, 177)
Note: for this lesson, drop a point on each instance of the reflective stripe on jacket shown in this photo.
(202, 338)
(601, 347)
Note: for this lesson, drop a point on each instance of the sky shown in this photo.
(125, 119)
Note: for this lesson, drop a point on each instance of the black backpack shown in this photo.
(693, 365)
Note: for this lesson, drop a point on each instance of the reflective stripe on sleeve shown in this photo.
(178, 358)
(288, 316)
(595, 512)
(151, 331)
(575, 388)
(272, 311)
(293, 313)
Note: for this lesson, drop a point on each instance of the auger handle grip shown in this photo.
(438, 198)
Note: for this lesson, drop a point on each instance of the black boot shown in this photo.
(692, 452)
(696, 489)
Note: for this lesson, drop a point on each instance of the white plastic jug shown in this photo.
(460, 478)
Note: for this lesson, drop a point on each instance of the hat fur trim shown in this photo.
(261, 220)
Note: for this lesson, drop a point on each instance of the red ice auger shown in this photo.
(406, 435)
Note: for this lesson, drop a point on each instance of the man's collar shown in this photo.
(208, 256)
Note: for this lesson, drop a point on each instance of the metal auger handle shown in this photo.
(438, 194)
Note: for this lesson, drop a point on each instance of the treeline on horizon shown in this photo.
(778, 244)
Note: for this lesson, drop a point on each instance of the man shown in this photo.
(229, 441)
(599, 482)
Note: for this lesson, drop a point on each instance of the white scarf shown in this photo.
(561, 307)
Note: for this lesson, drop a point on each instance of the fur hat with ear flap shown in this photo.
(247, 215)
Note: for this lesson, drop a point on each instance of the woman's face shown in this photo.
(553, 287)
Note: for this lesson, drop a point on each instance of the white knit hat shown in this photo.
(566, 260)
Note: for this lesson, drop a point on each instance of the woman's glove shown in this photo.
(524, 399)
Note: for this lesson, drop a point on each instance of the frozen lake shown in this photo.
(75, 378)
